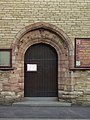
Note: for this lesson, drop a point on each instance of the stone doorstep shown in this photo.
(43, 102)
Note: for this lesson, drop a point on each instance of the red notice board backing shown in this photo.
(82, 52)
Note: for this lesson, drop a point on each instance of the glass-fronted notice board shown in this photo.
(5, 58)
(82, 52)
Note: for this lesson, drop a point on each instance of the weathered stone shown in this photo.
(86, 97)
(20, 94)
(10, 97)
(21, 86)
(86, 103)
(88, 78)
(5, 80)
(70, 87)
(76, 74)
(21, 80)
(6, 87)
(6, 93)
(14, 87)
(13, 80)
(71, 93)
(1, 79)
(0, 87)
(87, 92)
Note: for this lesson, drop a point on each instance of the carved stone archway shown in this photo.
(49, 34)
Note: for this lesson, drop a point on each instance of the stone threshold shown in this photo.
(41, 102)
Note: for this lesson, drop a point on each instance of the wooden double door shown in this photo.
(41, 71)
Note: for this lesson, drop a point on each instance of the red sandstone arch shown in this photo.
(47, 26)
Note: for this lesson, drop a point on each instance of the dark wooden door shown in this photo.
(41, 78)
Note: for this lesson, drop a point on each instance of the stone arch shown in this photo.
(43, 25)
(49, 34)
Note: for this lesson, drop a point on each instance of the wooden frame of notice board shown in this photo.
(82, 53)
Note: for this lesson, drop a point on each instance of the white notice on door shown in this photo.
(31, 67)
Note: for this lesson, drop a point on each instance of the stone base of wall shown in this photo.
(75, 97)
(8, 98)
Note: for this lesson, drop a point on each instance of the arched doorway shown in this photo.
(51, 35)
(41, 71)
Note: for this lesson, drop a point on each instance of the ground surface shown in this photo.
(44, 112)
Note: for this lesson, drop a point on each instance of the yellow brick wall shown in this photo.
(72, 16)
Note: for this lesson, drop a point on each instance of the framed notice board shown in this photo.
(82, 52)
(5, 58)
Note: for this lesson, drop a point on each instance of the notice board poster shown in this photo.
(82, 52)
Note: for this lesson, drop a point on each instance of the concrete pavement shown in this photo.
(44, 112)
(38, 119)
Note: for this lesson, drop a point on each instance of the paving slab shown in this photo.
(44, 112)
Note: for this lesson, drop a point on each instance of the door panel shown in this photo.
(43, 82)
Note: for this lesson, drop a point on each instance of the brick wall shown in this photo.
(72, 16)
